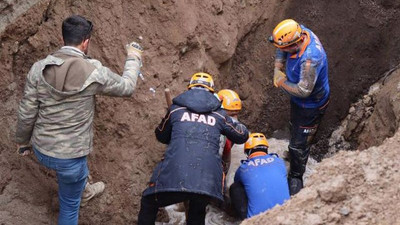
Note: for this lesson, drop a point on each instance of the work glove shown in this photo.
(134, 50)
(279, 77)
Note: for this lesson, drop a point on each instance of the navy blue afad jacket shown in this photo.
(192, 130)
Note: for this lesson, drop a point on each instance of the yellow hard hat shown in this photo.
(203, 80)
(256, 139)
(230, 100)
(286, 33)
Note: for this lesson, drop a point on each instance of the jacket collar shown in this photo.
(72, 49)
(256, 154)
(303, 47)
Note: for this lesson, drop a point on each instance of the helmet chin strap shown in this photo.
(249, 152)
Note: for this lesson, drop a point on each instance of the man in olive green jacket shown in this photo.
(57, 109)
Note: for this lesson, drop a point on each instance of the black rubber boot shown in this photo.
(298, 162)
(295, 185)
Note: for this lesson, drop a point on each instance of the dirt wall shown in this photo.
(179, 38)
(361, 41)
(358, 187)
(225, 38)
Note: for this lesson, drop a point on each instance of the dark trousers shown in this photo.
(151, 203)
(304, 123)
(239, 199)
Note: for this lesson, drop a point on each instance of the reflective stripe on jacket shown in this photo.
(192, 130)
(295, 65)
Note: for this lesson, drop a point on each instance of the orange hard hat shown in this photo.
(286, 33)
(203, 80)
(230, 100)
(256, 139)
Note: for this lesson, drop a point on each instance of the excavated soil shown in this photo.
(349, 188)
(226, 38)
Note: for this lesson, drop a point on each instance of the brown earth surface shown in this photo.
(352, 188)
(226, 38)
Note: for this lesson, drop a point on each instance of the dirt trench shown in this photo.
(224, 38)
(361, 41)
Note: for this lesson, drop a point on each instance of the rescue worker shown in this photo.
(306, 81)
(232, 104)
(260, 181)
(191, 168)
(57, 109)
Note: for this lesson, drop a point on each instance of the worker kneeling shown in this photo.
(261, 181)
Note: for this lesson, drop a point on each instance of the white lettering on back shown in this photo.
(260, 162)
(211, 120)
(200, 118)
(185, 117)
(195, 116)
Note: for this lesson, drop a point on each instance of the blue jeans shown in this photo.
(71, 177)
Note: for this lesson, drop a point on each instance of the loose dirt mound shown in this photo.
(349, 188)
